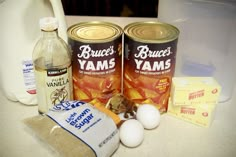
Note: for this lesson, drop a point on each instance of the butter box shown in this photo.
(201, 114)
(194, 90)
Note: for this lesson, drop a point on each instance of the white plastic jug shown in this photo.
(207, 41)
(19, 32)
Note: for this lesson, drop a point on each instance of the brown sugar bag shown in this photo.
(76, 129)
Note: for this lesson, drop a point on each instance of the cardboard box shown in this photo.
(201, 114)
(194, 90)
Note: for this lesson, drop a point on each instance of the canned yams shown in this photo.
(97, 56)
(149, 62)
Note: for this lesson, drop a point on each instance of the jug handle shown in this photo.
(59, 14)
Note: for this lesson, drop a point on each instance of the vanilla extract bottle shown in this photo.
(52, 67)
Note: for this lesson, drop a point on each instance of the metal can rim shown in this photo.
(71, 31)
(129, 28)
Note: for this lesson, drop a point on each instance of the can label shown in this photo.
(96, 70)
(148, 69)
(91, 63)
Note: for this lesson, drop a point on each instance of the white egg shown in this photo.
(131, 133)
(148, 115)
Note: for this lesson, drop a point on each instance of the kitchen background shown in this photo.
(124, 8)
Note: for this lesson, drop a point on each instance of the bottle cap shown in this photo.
(48, 23)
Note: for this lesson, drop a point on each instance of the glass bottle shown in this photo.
(52, 67)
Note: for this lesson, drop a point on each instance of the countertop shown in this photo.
(173, 138)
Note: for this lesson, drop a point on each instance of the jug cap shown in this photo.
(48, 23)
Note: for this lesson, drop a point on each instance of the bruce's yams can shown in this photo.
(97, 55)
(149, 62)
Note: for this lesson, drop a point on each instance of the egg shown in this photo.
(131, 133)
(148, 115)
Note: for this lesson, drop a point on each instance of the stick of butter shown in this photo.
(194, 90)
(201, 114)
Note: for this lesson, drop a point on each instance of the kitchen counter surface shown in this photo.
(173, 138)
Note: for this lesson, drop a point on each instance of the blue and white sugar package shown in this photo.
(75, 128)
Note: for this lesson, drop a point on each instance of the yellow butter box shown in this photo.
(201, 114)
(194, 90)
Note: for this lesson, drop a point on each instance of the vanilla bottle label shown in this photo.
(55, 87)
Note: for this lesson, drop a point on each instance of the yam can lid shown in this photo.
(151, 32)
(48, 23)
(94, 32)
